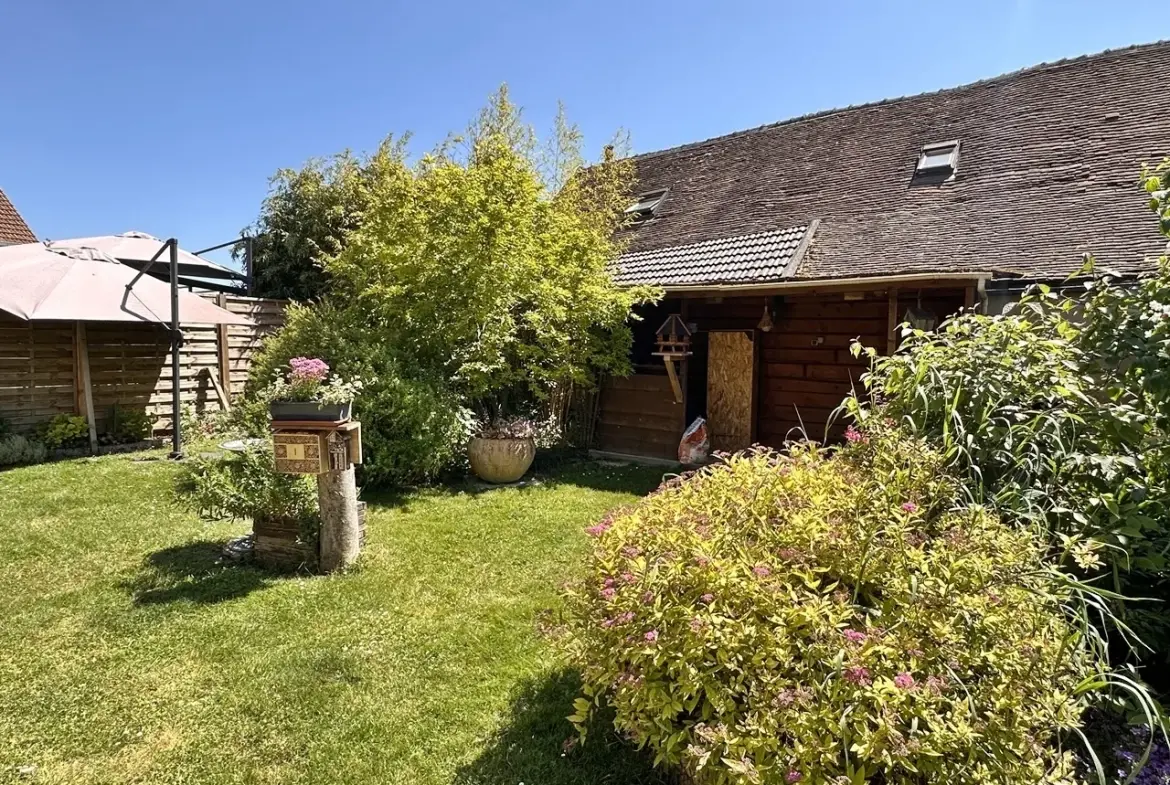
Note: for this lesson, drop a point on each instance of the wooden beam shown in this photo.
(969, 297)
(674, 383)
(81, 347)
(224, 401)
(223, 355)
(892, 322)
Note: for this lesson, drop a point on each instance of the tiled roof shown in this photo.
(13, 229)
(1047, 171)
(749, 258)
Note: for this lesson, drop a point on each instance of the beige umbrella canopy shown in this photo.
(136, 249)
(83, 284)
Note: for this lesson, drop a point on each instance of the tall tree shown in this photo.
(305, 219)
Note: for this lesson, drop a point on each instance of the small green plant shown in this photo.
(65, 431)
(247, 486)
(127, 426)
(17, 449)
(830, 618)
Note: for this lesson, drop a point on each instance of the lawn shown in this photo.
(128, 653)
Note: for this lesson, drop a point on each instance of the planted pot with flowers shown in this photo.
(502, 451)
(303, 394)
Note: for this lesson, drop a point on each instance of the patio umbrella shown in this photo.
(136, 249)
(84, 285)
(81, 284)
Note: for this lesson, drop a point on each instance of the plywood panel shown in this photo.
(730, 389)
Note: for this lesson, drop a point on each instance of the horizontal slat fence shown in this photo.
(129, 364)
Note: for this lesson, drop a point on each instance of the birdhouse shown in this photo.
(674, 339)
(674, 343)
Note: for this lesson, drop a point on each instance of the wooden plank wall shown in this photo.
(638, 416)
(806, 370)
(130, 364)
(36, 372)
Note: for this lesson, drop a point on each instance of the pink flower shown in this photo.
(697, 624)
(854, 636)
(609, 593)
(708, 599)
(702, 561)
(608, 582)
(788, 554)
(792, 776)
(936, 684)
(858, 675)
(651, 636)
(631, 551)
(761, 571)
(625, 618)
(647, 597)
(308, 369)
(598, 530)
(852, 435)
(628, 577)
(607, 623)
(904, 681)
(909, 507)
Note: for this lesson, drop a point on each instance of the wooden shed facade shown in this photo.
(755, 386)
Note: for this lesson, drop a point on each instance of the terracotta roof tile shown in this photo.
(763, 256)
(13, 229)
(1047, 171)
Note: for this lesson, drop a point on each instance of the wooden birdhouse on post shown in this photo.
(674, 344)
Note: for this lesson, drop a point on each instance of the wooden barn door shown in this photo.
(731, 364)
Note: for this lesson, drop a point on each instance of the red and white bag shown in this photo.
(695, 446)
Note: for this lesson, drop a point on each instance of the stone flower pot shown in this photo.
(501, 460)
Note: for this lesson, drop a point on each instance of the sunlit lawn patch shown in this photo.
(129, 654)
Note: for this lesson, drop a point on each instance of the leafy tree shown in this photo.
(477, 279)
(473, 262)
(305, 219)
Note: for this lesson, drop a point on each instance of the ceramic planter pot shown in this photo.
(310, 411)
(501, 460)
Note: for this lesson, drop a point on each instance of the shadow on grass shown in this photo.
(530, 747)
(194, 572)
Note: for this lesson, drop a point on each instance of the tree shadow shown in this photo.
(532, 746)
(194, 572)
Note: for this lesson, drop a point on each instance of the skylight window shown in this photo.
(647, 203)
(938, 160)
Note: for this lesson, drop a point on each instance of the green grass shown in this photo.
(129, 654)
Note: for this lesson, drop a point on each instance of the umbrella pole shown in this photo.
(176, 343)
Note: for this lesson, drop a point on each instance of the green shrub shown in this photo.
(1057, 413)
(247, 486)
(16, 449)
(828, 618)
(66, 431)
(413, 427)
(127, 426)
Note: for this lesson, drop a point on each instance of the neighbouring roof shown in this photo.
(748, 258)
(1048, 171)
(13, 229)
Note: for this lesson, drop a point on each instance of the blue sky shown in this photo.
(170, 117)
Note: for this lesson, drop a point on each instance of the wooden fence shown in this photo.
(41, 364)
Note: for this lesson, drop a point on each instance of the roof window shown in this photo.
(643, 209)
(938, 161)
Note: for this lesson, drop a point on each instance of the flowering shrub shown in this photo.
(828, 618)
(413, 426)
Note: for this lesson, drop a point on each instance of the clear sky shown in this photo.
(169, 117)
